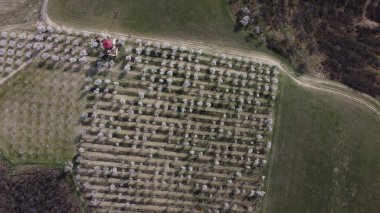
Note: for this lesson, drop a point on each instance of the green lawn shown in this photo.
(202, 20)
(327, 155)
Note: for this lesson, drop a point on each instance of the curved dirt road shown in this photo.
(307, 83)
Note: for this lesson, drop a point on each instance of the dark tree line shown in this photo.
(35, 189)
(332, 30)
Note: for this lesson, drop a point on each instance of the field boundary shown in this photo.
(274, 142)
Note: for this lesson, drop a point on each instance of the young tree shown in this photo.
(86, 34)
(28, 54)
(8, 70)
(11, 43)
(68, 32)
(139, 50)
(83, 52)
(186, 84)
(157, 45)
(127, 67)
(83, 60)
(3, 43)
(55, 58)
(182, 48)
(10, 52)
(73, 60)
(174, 48)
(50, 29)
(245, 20)
(4, 34)
(213, 62)
(37, 46)
(245, 10)
(199, 52)
(41, 29)
(138, 59)
(148, 43)
(45, 56)
(9, 61)
(39, 37)
(139, 42)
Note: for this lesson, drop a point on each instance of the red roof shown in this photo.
(107, 44)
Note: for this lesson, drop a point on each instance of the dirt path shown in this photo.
(14, 26)
(317, 84)
(313, 84)
(365, 22)
(273, 154)
(364, 14)
(14, 72)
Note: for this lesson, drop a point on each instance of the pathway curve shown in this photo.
(308, 82)
(14, 72)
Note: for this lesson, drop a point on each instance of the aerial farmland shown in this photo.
(113, 113)
(172, 125)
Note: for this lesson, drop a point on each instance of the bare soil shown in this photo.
(35, 189)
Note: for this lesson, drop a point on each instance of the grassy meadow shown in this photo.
(326, 156)
(39, 110)
(200, 20)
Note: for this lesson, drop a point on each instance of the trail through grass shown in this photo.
(327, 155)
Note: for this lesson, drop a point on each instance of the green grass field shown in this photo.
(327, 155)
(201, 20)
(39, 110)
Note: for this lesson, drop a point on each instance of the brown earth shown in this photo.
(35, 189)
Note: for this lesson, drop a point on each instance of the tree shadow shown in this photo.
(68, 67)
(122, 75)
(91, 71)
(41, 64)
(51, 66)
(238, 28)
